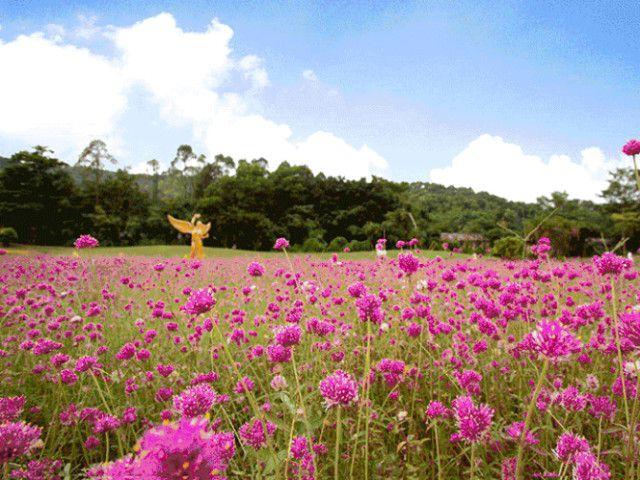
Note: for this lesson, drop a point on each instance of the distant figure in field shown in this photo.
(198, 231)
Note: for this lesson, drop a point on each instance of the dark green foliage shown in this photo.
(8, 236)
(337, 244)
(508, 247)
(48, 202)
(38, 198)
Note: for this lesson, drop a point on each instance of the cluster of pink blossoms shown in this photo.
(85, 241)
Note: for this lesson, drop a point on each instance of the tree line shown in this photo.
(48, 202)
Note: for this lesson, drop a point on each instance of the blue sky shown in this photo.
(426, 86)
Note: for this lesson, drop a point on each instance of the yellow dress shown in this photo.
(198, 231)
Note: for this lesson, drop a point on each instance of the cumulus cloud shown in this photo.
(309, 75)
(490, 164)
(57, 95)
(192, 77)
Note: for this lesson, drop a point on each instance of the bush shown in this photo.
(507, 247)
(359, 245)
(313, 245)
(8, 235)
(337, 244)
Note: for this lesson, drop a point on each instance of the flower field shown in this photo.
(285, 367)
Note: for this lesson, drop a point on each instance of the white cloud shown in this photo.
(63, 96)
(87, 28)
(57, 95)
(493, 165)
(309, 75)
(55, 32)
(186, 73)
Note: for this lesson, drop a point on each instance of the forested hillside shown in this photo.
(48, 202)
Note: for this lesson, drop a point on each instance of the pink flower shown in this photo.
(255, 269)
(552, 341)
(17, 439)
(254, 433)
(281, 244)
(85, 241)
(11, 408)
(631, 148)
(611, 264)
(288, 335)
(187, 449)
(473, 421)
(200, 301)
(437, 410)
(339, 389)
(568, 445)
(408, 263)
(195, 401)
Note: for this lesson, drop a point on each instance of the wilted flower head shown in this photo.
(339, 389)
(200, 301)
(85, 241)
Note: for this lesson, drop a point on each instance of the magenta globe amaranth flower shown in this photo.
(200, 301)
(631, 148)
(86, 241)
(17, 439)
(473, 421)
(611, 264)
(339, 389)
(186, 449)
(255, 432)
(281, 244)
(630, 328)
(408, 263)
(551, 340)
(195, 401)
(255, 269)
(288, 335)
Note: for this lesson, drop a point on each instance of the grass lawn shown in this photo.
(182, 250)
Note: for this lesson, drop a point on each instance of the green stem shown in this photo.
(614, 315)
(635, 169)
(527, 420)
(336, 453)
(367, 412)
(472, 461)
(440, 472)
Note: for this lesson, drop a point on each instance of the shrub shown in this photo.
(313, 245)
(507, 247)
(337, 244)
(359, 245)
(8, 235)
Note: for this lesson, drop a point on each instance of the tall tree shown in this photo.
(38, 198)
(155, 172)
(94, 159)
